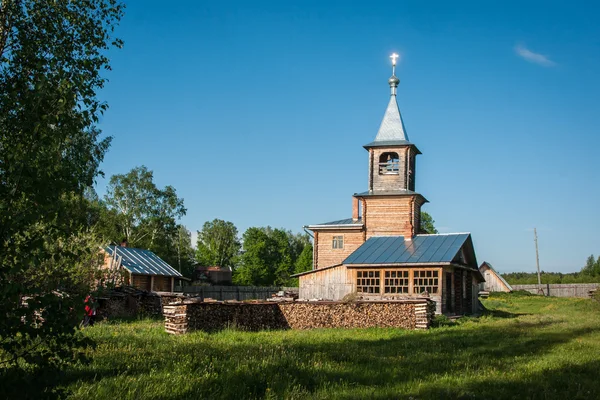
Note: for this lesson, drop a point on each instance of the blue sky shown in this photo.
(256, 112)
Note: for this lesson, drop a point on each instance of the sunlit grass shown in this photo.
(526, 347)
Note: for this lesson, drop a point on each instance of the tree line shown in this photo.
(135, 210)
(590, 273)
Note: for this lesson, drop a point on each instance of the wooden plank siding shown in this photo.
(492, 283)
(330, 284)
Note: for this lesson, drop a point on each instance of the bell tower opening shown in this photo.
(389, 164)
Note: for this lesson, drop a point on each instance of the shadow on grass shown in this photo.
(502, 314)
(351, 367)
(349, 364)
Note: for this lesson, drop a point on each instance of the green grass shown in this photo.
(525, 347)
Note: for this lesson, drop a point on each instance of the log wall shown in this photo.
(391, 216)
(327, 256)
(211, 316)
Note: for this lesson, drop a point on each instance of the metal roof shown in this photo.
(143, 262)
(392, 126)
(400, 192)
(347, 221)
(391, 143)
(421, 249)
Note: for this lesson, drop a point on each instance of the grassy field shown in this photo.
(525, 347)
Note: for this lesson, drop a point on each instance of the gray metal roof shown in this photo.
(388, 143)
(421, 249)
(347, 221)
(143, 262)
(401, 192)
(392, 126)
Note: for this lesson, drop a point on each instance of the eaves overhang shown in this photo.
(312, 271)
(335, 227)
(391, 143)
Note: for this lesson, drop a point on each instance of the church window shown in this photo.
(367, 281)
(389, 164)
(338, 242)
(425, 281)
(396, 282)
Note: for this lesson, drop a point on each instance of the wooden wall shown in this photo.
(335, 283)
(326, 255)
(162, 284)
(392, 216)
(141, 282)
(399, 181)
(492, 283)
(330, 284)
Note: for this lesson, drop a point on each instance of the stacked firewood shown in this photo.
(311, 315)
(252, 316)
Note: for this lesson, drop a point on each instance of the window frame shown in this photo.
(337, 242)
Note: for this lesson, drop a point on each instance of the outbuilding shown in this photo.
(494, 282)
(141, 269)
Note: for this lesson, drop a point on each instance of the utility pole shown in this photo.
(537, 260)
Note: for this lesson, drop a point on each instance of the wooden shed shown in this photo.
(142, 268)
(494, 282)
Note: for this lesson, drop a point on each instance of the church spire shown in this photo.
(392, 127)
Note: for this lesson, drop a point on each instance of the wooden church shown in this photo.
(380, 253)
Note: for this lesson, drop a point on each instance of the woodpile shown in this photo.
(128, 301)
(252, 316)
(310, 315)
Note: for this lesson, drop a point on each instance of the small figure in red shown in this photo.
(90, 312)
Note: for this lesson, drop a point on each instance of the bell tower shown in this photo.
(391, 206)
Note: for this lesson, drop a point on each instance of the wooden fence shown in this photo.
(239, 293)
(560, 290)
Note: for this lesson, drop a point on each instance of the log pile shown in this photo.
(127, 301)
(252, 316)
(176, 319)
(310, 315)
(212, 316)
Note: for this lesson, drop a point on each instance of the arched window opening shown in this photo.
(389, 164)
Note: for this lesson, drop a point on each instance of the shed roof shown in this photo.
(142, 262)
(441, 248)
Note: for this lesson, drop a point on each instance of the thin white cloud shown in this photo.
(532, 57)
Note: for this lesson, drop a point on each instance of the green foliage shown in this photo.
(270, 256)
(592, 267)
(182, 244)
(218, 244)
(527, 348)
(590, 273)
(52, 54)
(136, 210)
(427, 223)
